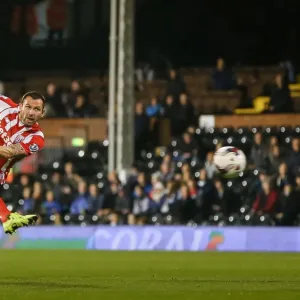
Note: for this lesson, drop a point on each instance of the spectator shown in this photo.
(131, 181)
(170, 197)
(184, 208)
(256, 187)
(273, 141)
(28, 205)
(192, 188)
(170, 111)
(187, 146)
(51, 207)
(205, 194)
(210, 167)
(109, 203)
(293, 160)
(222, 78)
(186, 177)
(157, 197)
(175, 85)
(165, 173)
(80, 204)
(141, 128)
(75, 90)
(280, 97)
(275, 158)
(225, 200)
(266, 200)
(204, 184)
(113, 178)
(143, 183)
(94, 199)
(167, 159)
(71, 178)
(154, 180)
(141, 206)
(281, 178)
(289, 206)
(259, 152)
(53, 96)
(122, 209)
(37, 195)
(186, 113)
(55, 185)
(66, 197)
(154, 109)
(80, 109)
(24, 182)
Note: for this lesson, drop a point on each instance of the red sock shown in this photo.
(4, 212)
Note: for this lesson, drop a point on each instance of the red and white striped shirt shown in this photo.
(13, 131)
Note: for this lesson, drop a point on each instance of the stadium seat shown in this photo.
(294, 87)
(259, 105)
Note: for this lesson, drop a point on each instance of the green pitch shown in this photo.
(87, 275)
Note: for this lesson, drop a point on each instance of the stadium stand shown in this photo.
(171, 184)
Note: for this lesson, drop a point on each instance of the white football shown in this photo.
(230, 161)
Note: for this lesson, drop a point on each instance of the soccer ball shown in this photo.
(230, 161)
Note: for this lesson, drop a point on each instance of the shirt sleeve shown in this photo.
(33, 144)
(6, 103)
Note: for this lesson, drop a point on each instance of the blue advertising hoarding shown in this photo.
(151, 238)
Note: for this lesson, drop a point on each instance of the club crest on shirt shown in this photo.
(34, 148)
(19, 139)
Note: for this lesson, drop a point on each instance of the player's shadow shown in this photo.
(50, 284)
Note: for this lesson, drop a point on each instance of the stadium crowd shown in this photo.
(177, 185)
(87, 97)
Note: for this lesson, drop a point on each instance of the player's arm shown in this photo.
(13, 151)
(28, 146)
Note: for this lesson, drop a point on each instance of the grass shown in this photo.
(87, 275)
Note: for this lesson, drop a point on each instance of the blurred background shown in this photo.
(139, 96)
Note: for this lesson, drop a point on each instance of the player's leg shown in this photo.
(12, 221)
(4, 211)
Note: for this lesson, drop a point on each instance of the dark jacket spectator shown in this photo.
(53, 96)
(224, 201)
(288, 205)
(141, 122)
(186, 112)
(188, 146)
(259, 152)
(175, 85)
(184, 208)
(280, 97)
(293, 159)
(222, 78)
(94, 199)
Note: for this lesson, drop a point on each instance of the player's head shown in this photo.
(32, 108)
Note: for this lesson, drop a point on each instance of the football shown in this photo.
(230, 161)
